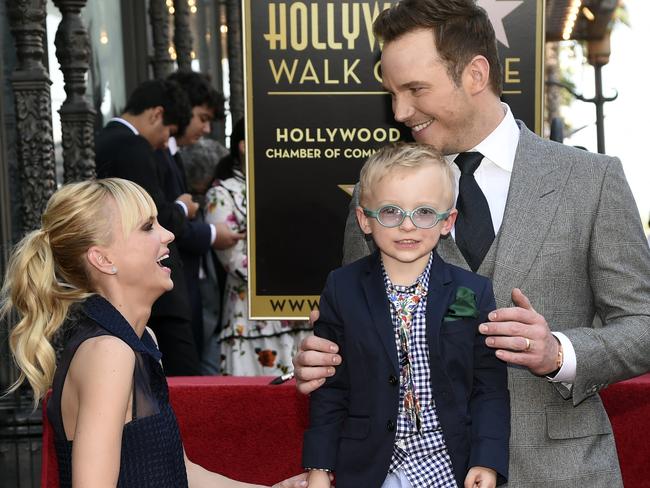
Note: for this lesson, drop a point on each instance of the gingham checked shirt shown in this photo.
(423, 458)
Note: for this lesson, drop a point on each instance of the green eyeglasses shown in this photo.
(392, 216)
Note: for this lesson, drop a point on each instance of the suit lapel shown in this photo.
(533, 197)
(180, 170)
(438, 300)
(449, 251)
(375, 291)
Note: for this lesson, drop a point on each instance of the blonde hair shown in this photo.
(47, 271)
(403, 155)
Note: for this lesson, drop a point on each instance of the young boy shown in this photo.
(419, 399)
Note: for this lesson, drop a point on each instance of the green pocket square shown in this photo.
(463, 307)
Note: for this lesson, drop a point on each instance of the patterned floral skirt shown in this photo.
(255, 347)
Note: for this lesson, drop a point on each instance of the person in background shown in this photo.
(197, 238)
(200, 162)
(248, 347)
(98, 262)
(556, 228)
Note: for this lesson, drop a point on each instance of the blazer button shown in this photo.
(392, 380)
(390, 426)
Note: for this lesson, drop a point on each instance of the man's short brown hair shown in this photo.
(461, 30)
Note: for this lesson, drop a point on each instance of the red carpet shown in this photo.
(252, 431)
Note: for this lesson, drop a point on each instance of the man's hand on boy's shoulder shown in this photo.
(480, 477)
(521, 336)
(315, 360)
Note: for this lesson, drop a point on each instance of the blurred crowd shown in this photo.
(162, 141)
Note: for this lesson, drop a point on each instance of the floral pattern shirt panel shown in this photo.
(226, 203)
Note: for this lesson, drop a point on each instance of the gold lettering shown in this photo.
(331, 23)
(298, 16)
(281, 136)
(314, 29)
(347, 134)
(326, 67)
(363, 134)
(379, 134)
(309, 73)
(511, 75)
(277, 32)
(350, 29)
(277, 73)
(297, 135)
(348, 71)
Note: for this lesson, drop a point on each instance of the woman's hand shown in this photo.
(298, 481)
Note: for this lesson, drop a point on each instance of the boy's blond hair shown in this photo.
(403, 155)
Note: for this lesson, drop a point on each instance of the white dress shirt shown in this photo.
(127, 123)
(493, 177)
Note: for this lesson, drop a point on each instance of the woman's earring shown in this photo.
(113, 270)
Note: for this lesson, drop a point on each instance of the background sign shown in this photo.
(315, 111)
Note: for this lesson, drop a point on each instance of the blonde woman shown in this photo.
(97, 264)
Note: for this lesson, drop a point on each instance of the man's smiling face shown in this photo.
(424, 97)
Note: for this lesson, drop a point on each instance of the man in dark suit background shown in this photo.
(125, 148)
(197, 238)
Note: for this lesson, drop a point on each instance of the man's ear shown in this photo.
(477, 74)
(156, 114)
(448, 223)
(363, 221)
(98, 260)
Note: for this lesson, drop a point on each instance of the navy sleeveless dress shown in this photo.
(152, 451)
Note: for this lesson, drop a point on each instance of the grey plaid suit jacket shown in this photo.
(572, 240)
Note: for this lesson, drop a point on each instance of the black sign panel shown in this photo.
(315, 111)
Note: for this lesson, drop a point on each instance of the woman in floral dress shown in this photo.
(248, 347)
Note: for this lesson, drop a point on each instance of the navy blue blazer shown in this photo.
(353, 416)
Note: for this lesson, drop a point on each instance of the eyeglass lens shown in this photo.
(392, 216)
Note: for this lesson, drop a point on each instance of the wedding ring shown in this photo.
(528, 343)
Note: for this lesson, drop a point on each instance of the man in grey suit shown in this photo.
(565, 238)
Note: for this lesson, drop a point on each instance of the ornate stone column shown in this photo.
(162, 62)
(235, 59)
(183, 35)
(77, 115)
(31, 86)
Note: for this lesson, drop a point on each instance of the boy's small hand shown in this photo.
(480, 477)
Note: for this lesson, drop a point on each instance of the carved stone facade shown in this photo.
(162, 62)
(183, 35)
(235, 59)
(77, 116)
(31, 86)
